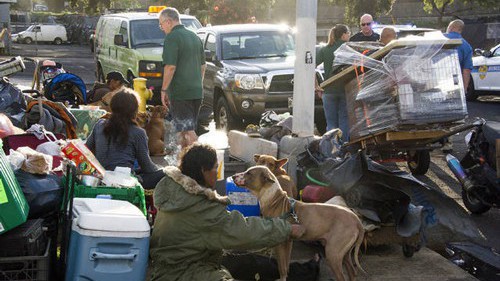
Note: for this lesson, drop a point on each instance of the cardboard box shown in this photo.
(84, 159)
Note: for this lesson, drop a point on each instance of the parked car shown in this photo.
(250, 70)
(55, 33)
(132, 43)
(485, 73)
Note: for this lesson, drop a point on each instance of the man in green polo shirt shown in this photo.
(183, 70)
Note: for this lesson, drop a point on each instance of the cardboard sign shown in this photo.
(84, 159)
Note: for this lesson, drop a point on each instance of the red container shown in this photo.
(316, 194)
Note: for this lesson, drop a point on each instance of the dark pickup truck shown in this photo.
(250, 70)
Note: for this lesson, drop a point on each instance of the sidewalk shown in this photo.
(386, 263)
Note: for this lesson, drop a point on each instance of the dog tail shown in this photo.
(359, 241)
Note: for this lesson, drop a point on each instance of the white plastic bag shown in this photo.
(16, 159)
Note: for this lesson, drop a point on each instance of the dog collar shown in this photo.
(291, 213)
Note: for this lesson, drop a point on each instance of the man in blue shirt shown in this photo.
(454, 30)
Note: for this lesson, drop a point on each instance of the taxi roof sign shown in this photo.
(155, 9)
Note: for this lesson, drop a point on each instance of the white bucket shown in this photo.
(220, 162)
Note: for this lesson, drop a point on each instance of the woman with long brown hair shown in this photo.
(334, 102)
(120, 142)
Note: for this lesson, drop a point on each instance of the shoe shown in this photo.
(447, 147)
(253, 131)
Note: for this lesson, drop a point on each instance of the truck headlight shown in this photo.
(249, 81)
(151, 66)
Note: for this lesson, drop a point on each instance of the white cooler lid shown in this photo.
(106, 217)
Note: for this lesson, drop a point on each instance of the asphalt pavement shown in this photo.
(79, 60)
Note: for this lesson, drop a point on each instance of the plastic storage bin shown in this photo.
(109, 241)
(241, 199)
(32, 268)
(28, 239)
(13, 206)
(134, 195)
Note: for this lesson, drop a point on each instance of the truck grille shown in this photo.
(281, 83)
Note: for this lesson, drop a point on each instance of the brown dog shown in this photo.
(338, 228)
(276, 167)
(155, 129)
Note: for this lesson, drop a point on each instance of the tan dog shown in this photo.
(338, 228)
(155, 129)
(276, 166)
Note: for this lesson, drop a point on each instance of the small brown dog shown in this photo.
(276, 166)
(338, 228)
(155, 129)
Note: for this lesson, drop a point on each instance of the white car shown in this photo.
(485, 73)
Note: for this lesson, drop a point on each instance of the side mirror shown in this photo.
(209, 56)
(478, 52)
(118, 39)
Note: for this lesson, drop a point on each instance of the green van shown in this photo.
(132, 43)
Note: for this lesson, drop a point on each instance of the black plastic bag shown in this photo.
(12, 102)
(43, 193)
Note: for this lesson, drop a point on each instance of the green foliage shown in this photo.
(354, 9)
(445, 8)
(238, 11)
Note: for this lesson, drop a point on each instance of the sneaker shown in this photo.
(447, 147)
(253, 131)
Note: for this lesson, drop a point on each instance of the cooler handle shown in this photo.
(94, 255)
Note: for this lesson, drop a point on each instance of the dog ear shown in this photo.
(256, 157)
(279, 163)
(266, 177)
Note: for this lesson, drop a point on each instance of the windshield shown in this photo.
(257, 45)
(147, 33)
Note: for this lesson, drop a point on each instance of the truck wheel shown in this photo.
(28, 40)
(224, 119)
(130, 78)
(58, 41)
(99, 74)
(473, 204)
(471, 94)
(419, 161)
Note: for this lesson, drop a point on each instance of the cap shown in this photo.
(115, 75)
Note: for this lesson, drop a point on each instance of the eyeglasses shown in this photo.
(366, 24)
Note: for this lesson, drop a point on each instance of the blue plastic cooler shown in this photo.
(109, 241)
(241, 199)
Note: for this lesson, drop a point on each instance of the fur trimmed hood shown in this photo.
(174, 191)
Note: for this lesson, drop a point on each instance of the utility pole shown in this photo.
(305, 65)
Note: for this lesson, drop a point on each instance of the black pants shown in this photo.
(246, 266)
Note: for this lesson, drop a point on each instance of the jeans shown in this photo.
(335, 107)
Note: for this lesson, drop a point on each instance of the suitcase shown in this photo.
(28, 239)
(29, 140)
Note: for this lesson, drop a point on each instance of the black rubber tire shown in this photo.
(419, 162)
(409, 250)
(224, 119)
(58, 41)
(471, 94)
(28, 40)
(99, 74)
(130, 79)
(474, 205)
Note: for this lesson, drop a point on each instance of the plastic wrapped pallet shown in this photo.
(414, 85)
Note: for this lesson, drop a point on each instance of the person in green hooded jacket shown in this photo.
(192, 226)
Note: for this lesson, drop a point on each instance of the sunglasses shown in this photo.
(366, 24)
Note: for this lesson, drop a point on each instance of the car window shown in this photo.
(257, 45)
(36, 29)
(191, 24)
(497, 52)
(210, 45)
(152, 38)
(124, 32)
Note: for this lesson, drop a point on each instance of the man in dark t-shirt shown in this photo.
(183, 71)
(366, 33)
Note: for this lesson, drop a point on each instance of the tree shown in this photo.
(446, 8)
(238, 11)
(356, 8)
